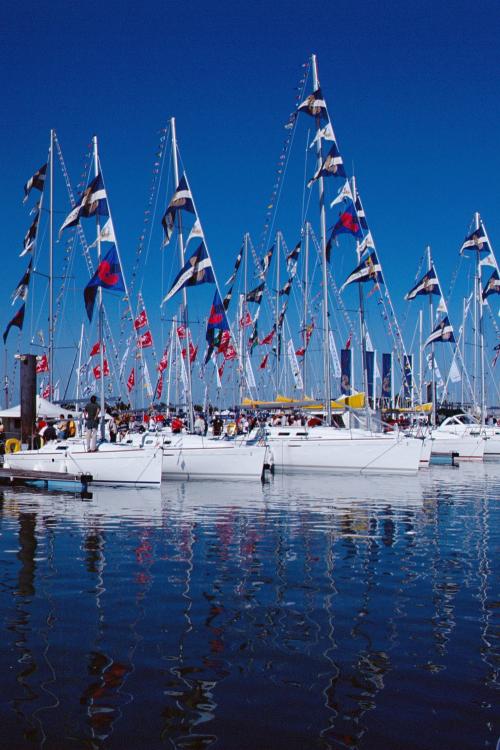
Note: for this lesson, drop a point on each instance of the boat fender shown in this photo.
(231, 428)
(12, 445)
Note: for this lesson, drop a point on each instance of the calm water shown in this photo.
(306, 613)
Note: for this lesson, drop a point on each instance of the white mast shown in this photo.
(99, 297)
(420, 356)
(184, 293)
(479, 304)
(306, 294)
(51, 264)
(433, 374)
(78, 374)
(322, 215)
(278, 347)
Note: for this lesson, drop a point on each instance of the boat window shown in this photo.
(283, 433)
(301, 434)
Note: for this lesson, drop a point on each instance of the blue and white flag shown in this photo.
(428, 284)
(197, 270)
(332, 166)
(345, 193)
(368, 270)
(30, 236)
(21, 291)
(36, 181)
(442, 332)
(93, 202)
(293, 257)
(181, 199)
(348, 223)
(314, 105)
(477, 240)
(492, 285)
(361, 213)
(265, 262)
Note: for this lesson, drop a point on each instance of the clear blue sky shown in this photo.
(412, 89)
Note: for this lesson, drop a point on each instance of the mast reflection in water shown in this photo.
(307, 613)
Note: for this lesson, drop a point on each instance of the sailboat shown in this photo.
(468, 426)
(446, 439)
(327, 448)
(110, 463)
(187, 455)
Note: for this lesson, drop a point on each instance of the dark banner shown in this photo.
(387, 376)
(370, 369)
(407, 376)
(346, 372)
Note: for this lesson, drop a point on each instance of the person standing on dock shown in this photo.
(91, 414)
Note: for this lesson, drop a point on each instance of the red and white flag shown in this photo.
(225, 340)
(96, 349)
(348, 342)
(141, 321)
(220, 369)
(193, 351)
(269, 338)
(131, 380)
(246, 320)
(163, 363)
(159, 388)
(263, 363)
(229, 352)
(181, 332)
(46, 392)
(145, 341)
(43, 364)
(97, 370)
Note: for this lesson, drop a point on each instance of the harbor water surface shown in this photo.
(311, 612)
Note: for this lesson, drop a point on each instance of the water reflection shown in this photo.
(353, 612)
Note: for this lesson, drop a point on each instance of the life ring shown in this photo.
(12, 445)
(231, 428)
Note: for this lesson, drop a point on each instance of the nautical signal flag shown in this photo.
(442, 332)
(42, 365)
(141, 321)
(368, 270)
(181, 199)
(332, 166)
(246, 320)
(255, 295)
(181, 332)
(265, 262)
(97, 370)
(163, 363)
(269, 338)
(217, 320)
(159, 388)
(263, 362)
(197, 270)
(492, 285)
(193, 351)
(21, 291)
(36, 181)
(30, 236)
(477, 240)
(93, 202)
(16, 321)
(236, 266)
(347, 223)
(428, 284)
(314, 105)
(293, 257)
(108, 276)
(96, 349)
(145, 341)
(131, 380)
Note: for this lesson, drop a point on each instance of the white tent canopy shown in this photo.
(43, 409)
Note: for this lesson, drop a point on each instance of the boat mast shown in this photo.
(322, 216)
(99, 296)
(479, 304)
(278, 347)
(51, 264)
(362, 329)
(78, 374)
(433, 373)
(184, 292)
(420, 354)
(306, 293)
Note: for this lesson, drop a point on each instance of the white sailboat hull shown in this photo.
(111, 464)
(197, 457)
(466, 447)
(339, 451)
